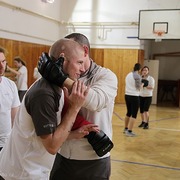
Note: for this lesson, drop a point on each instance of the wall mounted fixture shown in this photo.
(48, 1)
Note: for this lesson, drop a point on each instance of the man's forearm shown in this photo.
(68, 83)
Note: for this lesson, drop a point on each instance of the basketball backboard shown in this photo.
(159, 24)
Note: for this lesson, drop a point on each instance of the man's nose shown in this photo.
(1, 64)
(82, 69)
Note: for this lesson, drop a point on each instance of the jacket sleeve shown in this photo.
(103, 90)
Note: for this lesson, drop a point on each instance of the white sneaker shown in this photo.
(125, 130)
(130, 134)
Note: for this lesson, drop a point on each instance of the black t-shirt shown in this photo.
(42, 103)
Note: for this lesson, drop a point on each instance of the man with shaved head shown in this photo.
(84, 161)
(39, 131)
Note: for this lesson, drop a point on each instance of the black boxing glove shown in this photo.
(51, 70)
(146, 82)
(100, 142)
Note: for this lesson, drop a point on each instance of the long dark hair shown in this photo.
(18, 59)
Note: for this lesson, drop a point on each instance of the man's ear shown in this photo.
(86, 50)
(61, 55)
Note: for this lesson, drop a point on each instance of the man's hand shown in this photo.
(83, 131)
(51, 70)
(77, 95)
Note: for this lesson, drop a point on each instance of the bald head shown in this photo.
(66, 46)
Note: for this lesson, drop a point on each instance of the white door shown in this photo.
(154, 72)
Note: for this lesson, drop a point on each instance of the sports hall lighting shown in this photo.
(48, 1)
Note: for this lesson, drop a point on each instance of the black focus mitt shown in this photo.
(100, 142)
(51, 70)
(146, 82)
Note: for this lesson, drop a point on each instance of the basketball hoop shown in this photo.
(158, 35)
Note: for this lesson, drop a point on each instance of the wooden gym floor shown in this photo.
(154, 154)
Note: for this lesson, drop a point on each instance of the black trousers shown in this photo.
(132, 104)
(67, 169)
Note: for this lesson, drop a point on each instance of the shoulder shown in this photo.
(101, 70)
(23, 69)
(40, 87)
(8, 81)
(43, 88)
(42, 95)
(106, 76)
(108, 72)
(130, 74)
(151, 78)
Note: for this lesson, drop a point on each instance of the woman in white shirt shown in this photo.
(146, 94)
(132, 90)
(21, 76)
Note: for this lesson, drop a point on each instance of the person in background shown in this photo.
(9, 101)
(36, 74)
(21, 76)
(38, 131)
(146, 94)
(78, 155)
(132, 89)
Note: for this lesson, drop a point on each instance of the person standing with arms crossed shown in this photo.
(132, 89)
(78, 155)
(9, 101)
(146, 94)
(21, 76)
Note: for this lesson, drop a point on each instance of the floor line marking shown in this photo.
(118, 116)
(162, 119)
(143, 164)
(165, 129)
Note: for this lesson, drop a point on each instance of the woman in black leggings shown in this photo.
(146, 94)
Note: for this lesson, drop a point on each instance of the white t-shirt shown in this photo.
(130, 88)
(21, 80)
(144, 92)
(24, 157)
(8, 99)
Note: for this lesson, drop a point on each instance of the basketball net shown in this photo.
(158, 35)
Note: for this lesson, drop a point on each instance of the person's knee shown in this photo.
(134, 116)
(128, 115)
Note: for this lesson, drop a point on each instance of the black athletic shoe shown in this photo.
(142, 124)
(146, 126)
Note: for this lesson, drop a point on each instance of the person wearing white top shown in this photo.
(78, 155)
(132, 89)
(38, 131)
(21, 76)
(146, 94)
(9, 101)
